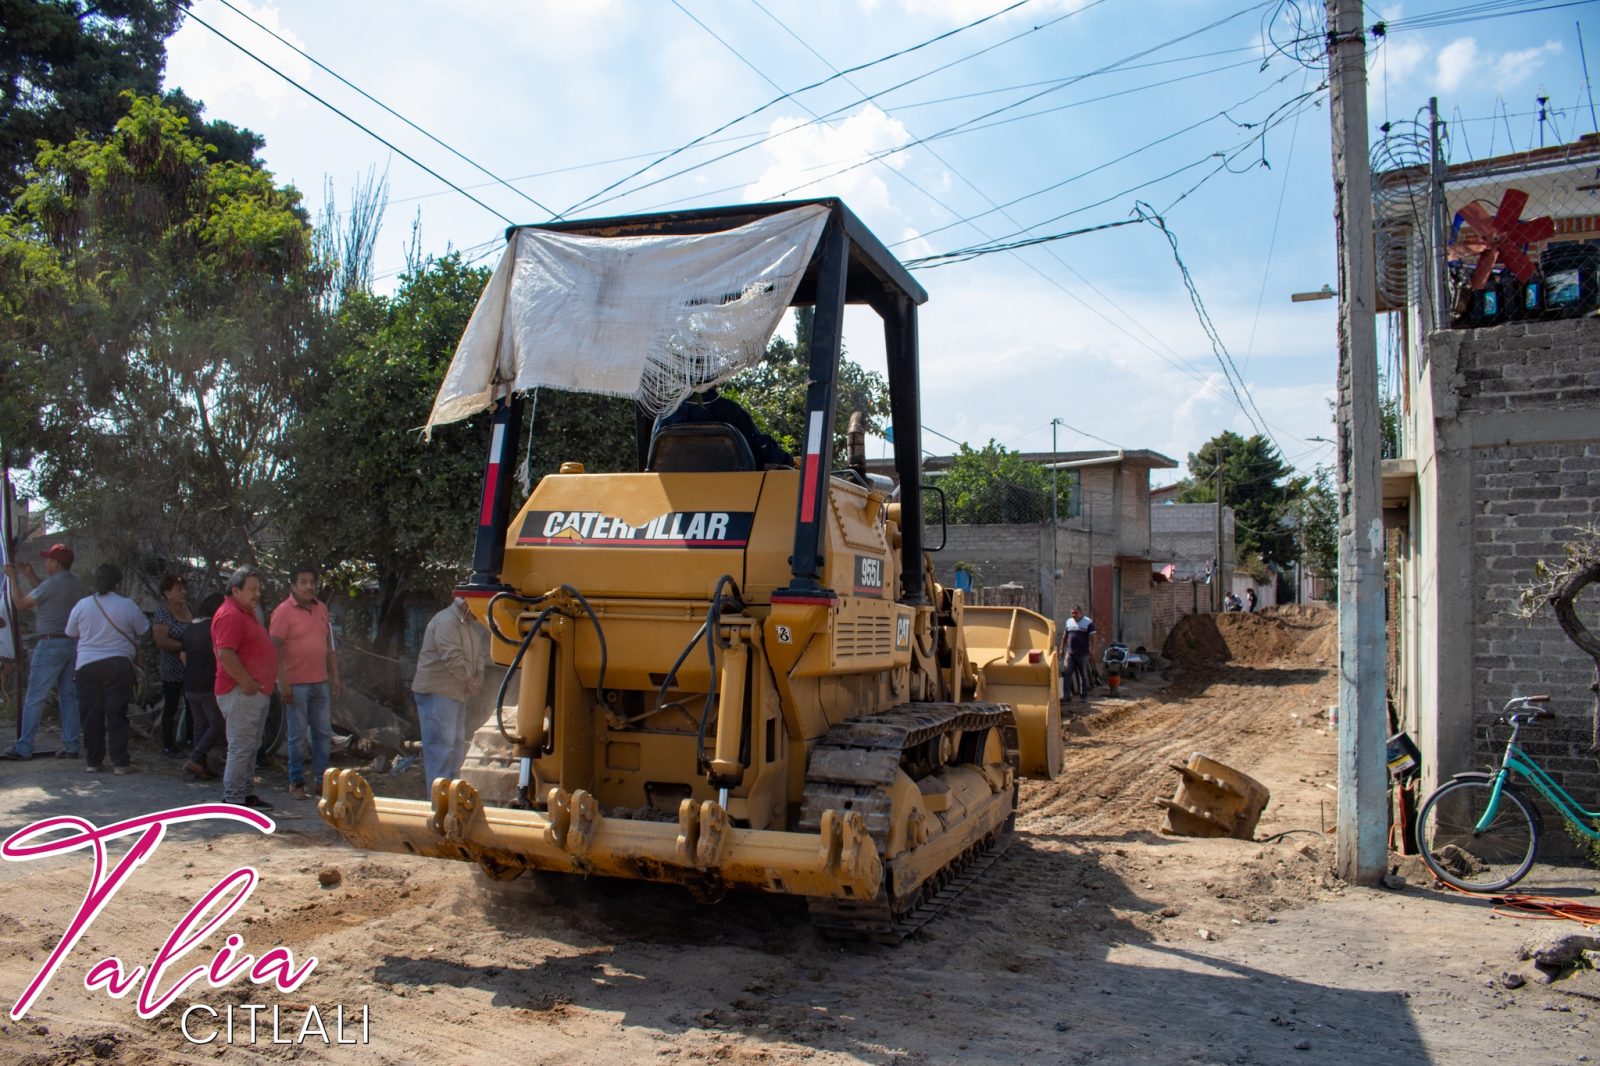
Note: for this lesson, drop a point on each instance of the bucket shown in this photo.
(1404, 760)
(1571, 272)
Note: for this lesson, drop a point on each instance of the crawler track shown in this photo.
(852, 769)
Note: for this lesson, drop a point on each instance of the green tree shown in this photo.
(1318, 518)
(774, 391)
(991, 485)
(155, 310)
(1257, 484)
(367, 496)
(64, 65)
(229, 143)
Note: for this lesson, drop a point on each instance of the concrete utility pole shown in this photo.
(1362, 847)
(1217, 595)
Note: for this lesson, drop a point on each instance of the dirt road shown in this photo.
(1092, 939)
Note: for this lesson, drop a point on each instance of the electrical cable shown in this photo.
(1272, 242)
(771, 136)
(762, 74)
(1086, 173)
(364, 129)
(347, 82)
(1114, 65)
(1219, 349)
(594, 198)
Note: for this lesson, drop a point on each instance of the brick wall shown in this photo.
(1171, 601)
(996, 554)
(1527, 366)
(1526, 498)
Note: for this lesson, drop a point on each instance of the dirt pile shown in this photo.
(1299, 634)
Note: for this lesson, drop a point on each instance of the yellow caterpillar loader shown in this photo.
(721, 674)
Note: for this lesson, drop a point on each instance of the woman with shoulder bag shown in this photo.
(107, 627)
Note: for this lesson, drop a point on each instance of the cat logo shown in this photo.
(902, 632)
(675, 529)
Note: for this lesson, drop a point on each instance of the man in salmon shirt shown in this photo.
(308, 677)
(247, 665)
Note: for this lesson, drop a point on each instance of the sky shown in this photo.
(1050, 116)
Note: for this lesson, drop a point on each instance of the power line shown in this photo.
(588, 200)
(1176, 362)
(968, 254)
(836, 111)
(1272, 242)
(1086, 173)
(1481, 12)
(1218, 348)
(1114, 65)
(763, 75)
(375, 136)
(347, 82)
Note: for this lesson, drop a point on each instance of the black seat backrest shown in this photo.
(699, 448)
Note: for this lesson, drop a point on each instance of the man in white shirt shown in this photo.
(107, 627)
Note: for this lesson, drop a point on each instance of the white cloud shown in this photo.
(1461, 63)
(824, 160)
(1513, 68)
(1399, 59)
(224, 78)
(1456, 61)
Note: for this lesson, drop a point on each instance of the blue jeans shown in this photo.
(444, 736)
(312, 707)
(52, 665)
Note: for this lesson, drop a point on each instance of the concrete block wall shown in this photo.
(1170, 602)
(1529, 395)
(1530, 366)
(997, 554)
(1526, 495)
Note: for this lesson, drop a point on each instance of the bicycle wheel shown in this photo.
(1473, 861)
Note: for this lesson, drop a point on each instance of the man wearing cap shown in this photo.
(247, 665)
(449, 673)
(53, 664)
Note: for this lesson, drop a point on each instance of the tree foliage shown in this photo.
(1318, 518)
(368, 497)
(774, 392)
(1257, 484)
(992, 485)
(64, 65)
(155, 312)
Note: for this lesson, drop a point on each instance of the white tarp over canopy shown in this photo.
(652, 317)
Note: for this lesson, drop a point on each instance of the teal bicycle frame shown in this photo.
(1522, 763)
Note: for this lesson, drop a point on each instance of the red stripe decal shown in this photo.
(808, 491)
(491, 481)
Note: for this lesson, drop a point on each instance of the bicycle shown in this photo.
(1479, 832)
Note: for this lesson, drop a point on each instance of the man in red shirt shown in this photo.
(308, 676)
(247, 664)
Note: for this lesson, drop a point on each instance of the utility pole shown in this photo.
(1361, 850)
(1217, 594)
(1055, 528)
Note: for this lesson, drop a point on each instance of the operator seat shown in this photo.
(699, 448)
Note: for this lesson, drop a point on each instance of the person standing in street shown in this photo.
(200, 688)
(449, 673)
(247, 664)
(107, 627)
(1250, 599)
(53, 664)
(166, 629)
(1075, 644)
(308, 676)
